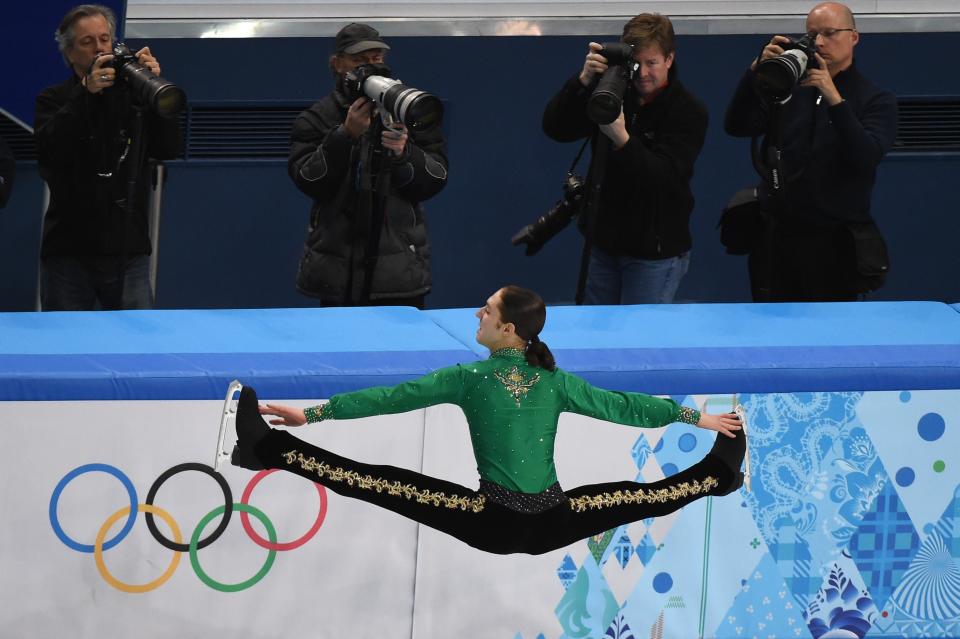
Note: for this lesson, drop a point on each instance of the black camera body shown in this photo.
(161, 96)
(122, 55)
(606, 101)
(617, 53)
(776, 77)
(540, 232)
(396, 102)
(354, 79)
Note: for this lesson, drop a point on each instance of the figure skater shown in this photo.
(512, 402)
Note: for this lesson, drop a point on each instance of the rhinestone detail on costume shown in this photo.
(642, 495)
(528, 503)
(689, 416)
(316, 413)
(516, 383)
(509, 351)
(393, 488)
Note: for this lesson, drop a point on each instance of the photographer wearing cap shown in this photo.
(825, 131)
(639, 229)
(96, 244)
(366, 244)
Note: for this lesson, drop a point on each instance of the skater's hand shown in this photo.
(724, 423)
(289, 416)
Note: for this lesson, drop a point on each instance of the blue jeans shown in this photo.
(94, 283)
(621, 279)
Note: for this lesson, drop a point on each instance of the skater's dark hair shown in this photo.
(526, 311)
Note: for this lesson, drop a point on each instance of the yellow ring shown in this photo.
(105, 528)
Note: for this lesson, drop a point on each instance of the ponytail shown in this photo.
(538, 354)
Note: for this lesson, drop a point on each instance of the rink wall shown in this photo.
(851, 524)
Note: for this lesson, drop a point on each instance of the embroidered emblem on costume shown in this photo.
(516, 383)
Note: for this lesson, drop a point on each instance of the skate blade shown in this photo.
(742, 414)
(228, 421)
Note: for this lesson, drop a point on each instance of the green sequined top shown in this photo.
(512, 409)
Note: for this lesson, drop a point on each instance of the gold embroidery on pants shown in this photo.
(395, 488)
(642, 495)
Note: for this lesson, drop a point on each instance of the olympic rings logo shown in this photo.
(177, 544)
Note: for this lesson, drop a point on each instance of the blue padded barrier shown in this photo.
(679, 349)
(717, 348)
(194, 354)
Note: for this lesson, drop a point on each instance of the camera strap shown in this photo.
(590, 208)
(576, 160)
(375, 198)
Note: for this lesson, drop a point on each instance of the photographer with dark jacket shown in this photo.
(834, 129)
(95, 249)
(7, 171)
(329, 144)
(641, 245)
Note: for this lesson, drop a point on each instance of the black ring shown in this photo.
(227, 512)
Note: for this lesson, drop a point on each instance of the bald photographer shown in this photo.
(825, 127)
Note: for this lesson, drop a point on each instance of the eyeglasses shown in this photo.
(828, 34)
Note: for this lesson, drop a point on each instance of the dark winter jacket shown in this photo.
(325, 163)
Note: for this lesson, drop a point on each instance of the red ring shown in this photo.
(289, 545)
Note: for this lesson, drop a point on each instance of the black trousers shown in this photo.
(417, 301)
(804, 265)
(476, 520)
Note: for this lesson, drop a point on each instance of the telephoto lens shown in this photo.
(540, 232)
(162, 96)
(606, 101)
(159, 95)
(417, 109)
(776, 77)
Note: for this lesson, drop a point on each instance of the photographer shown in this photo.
(819, 241)
(95, 250)
(332, 144)
(641, 244)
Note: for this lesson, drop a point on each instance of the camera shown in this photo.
(606, 101)
(396, 102)
(161, 96)
(776, 77)
(555, 220)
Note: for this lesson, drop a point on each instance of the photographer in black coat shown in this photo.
(641, 244)
(819, 242)
(330, 148)
(95, 249)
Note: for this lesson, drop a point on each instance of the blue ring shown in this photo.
(73, 474)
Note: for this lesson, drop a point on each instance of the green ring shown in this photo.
(195, 559)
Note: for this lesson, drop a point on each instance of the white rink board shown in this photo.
(360, 554)
(357, 576)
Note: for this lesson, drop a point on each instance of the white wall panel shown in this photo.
(355, 577)
(247, 18)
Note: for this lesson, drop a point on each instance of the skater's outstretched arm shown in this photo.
(638, 409)
(442, 386)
